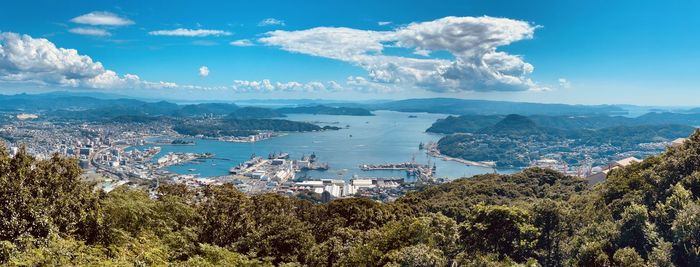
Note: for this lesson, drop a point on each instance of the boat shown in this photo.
(191, 170)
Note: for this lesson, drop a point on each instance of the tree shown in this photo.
(628, 257)
(548, 218)
(38, 198)
(419, 255)
(686, 235)
(505, 231)
(636, 232)
(226, 216)
(665, 213)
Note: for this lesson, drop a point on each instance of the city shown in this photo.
(440, 133)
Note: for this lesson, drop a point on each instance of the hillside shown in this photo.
(254, 113)
(514, 124)
(473, 123)
(463, 124)
(242, 127)
(486, 107)
(516, 140)
(642, 215)
(326, 110)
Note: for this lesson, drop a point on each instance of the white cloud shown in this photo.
(203, 71)
(267, 86)
(102, 18)
(90, 31)
(39, 61)
(271, 22)
(190, 32)
(241, 42)
(564, 83)
(472, 41)
(383, 23)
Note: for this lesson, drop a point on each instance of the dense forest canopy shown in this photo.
(645, 214)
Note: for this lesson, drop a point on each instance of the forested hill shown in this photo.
(515, 140)
(645, 214)
(473, 123)
(325, 110)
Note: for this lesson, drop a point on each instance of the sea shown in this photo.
(387, 137)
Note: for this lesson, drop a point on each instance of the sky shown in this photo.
(579, 52)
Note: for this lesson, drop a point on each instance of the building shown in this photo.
(600, 173)
(678, 142)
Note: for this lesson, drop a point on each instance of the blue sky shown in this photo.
(589, 52)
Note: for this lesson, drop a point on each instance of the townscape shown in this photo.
(117, 154)
(314, 133)
(106, 151)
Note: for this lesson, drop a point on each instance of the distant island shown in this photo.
(488, 107)
(254, 113)
(326, 110)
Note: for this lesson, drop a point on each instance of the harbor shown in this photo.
(423, 172)
(370, 143)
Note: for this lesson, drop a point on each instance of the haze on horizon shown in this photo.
(591, 52)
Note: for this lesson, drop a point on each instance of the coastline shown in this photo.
(431, 149)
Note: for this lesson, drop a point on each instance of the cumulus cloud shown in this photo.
(37, 60)
(383, 23)
(90, 31)
(271, 22)
(203, 71)
(564, 83)
(267, 86)
(101, 18)
(241, 42)
(476, 65)
(24, 59)
(190, 32)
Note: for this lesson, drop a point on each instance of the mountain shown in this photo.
(463, 124)
(206, 109)
(514, 124)
(473, 123)
(326, 110)
(487, 107)
(669, 117)
(515, 140)
(254, 113)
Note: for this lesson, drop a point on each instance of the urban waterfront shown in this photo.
(388, 137)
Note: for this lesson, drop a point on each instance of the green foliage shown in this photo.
(504, 231)
(645, 214)
(628, 257)
(226, 216)
(39, 198)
